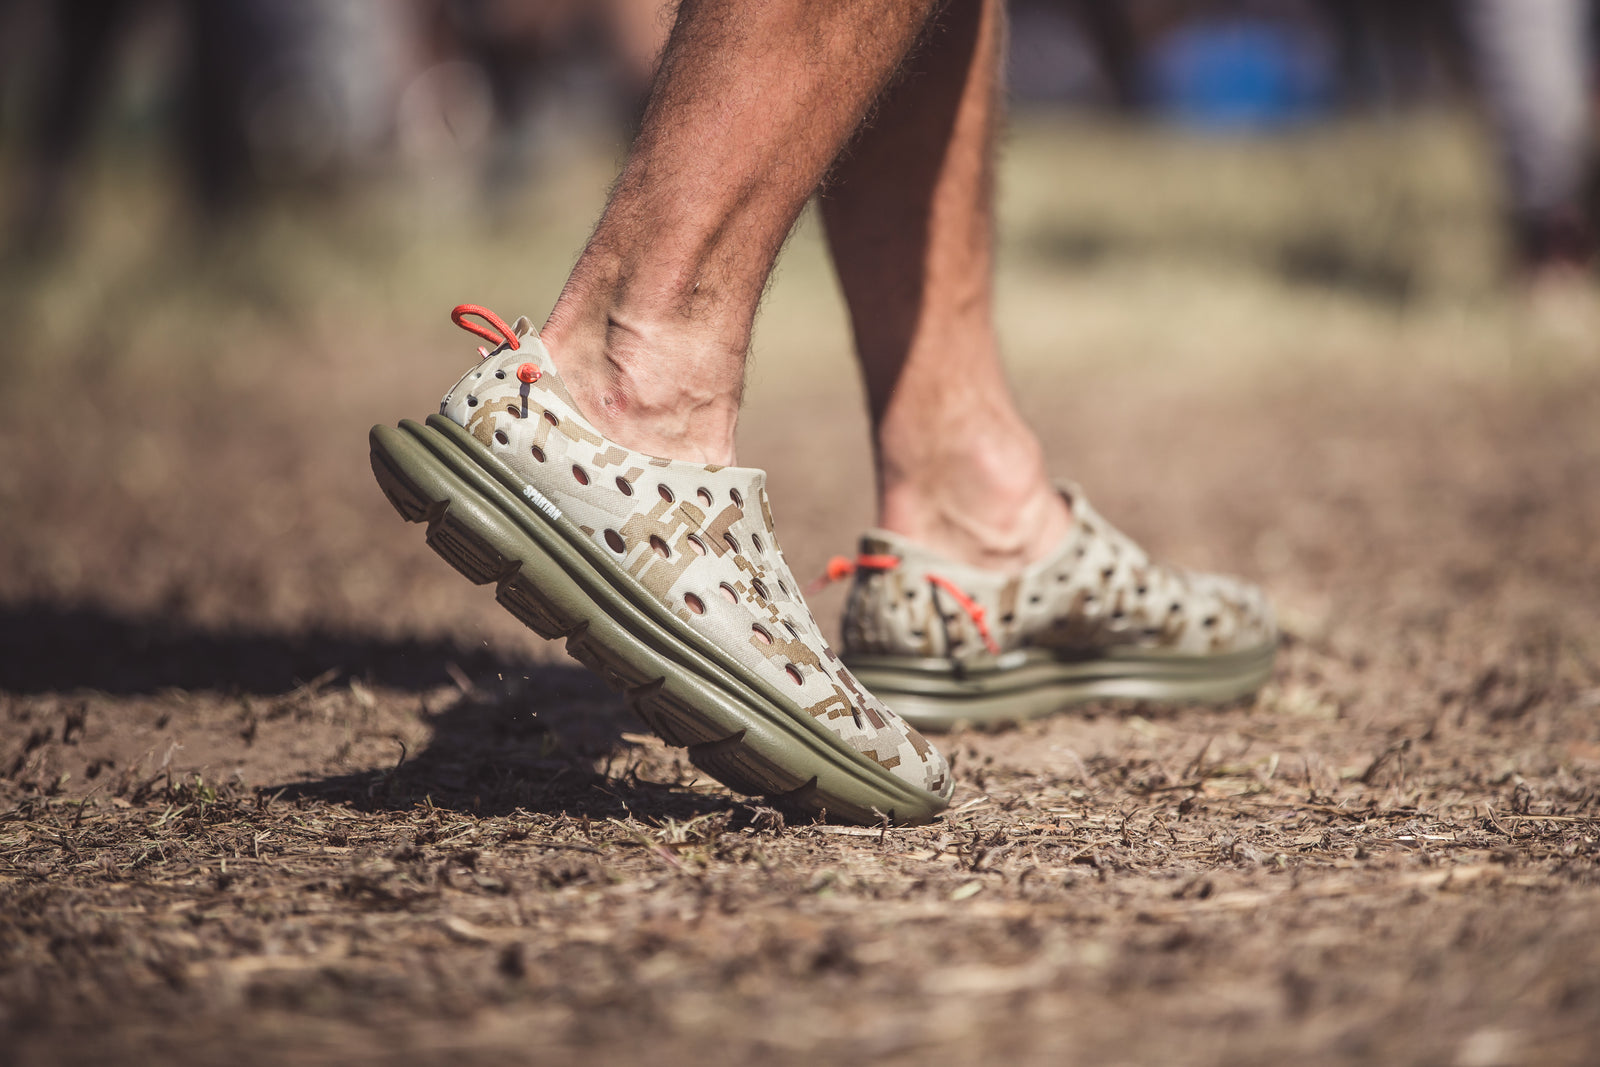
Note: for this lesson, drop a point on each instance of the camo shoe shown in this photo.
(942, 642)
(664, 577)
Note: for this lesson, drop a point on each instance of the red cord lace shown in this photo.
(459, 317)
(840, 567)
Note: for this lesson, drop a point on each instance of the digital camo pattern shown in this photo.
(698, 538)
(1098, 591)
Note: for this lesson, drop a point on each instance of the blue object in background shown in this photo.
(1240, 75)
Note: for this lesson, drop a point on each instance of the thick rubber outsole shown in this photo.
(548, 574)
(934, 696)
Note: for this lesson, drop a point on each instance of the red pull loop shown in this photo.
(459, 317)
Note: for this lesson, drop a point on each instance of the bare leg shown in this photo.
(752, 104)
(910, 220)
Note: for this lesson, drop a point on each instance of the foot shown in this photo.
(664, 576)
(943, 642)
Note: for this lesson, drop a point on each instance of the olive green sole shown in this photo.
(548, 574)
(933, 695)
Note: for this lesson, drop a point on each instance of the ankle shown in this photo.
(986, 530)
(650, 384)
(989, 505)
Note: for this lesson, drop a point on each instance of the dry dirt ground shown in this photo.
(276, 785)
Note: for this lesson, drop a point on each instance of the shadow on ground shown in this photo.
(504, 733)
(554, 741)
(50, 648)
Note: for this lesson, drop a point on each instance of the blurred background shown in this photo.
(233, 230)
(230, 105)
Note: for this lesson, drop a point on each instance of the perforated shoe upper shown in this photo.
(1099, 590)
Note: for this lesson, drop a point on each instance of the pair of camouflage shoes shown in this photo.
(666, 579)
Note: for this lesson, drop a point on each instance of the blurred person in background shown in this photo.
(1262, 65)
(1533, 59)
(275, 94)
(266, 91)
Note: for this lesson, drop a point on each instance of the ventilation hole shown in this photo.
(1117, 614)
(1175, 608)
(614, 539)
(1141, 590)
(500, 438)
(705, 496)
(794, 672)
(728, 593)
(514, 411)
(755, 539)
(855, 714)
(666, 494)
(781, 585)
(1082, 551)
(733, 495)
(500, 374)
(1108, 572)
(660, 546)
(1209, 621)
(624, 485)
(472, 401)
(762, 634)
(538, 453)
(696, 605)
(731, 541)
(697, 544)
(1061, 577)
(550, 417)
(911, 594)
(1035, 598)
(787, 625)
(580, 474)
(761, 590)
(919, 633)
(1007, 619)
